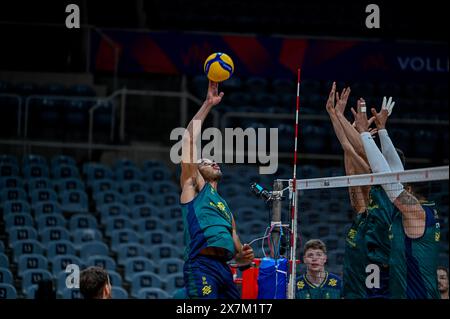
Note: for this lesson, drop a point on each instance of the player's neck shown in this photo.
(213, 184)
(315, 277)
(444, 295)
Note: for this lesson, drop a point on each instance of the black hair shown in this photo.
(92, 282)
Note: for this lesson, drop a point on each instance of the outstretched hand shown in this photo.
(213, 97)
(336, 102)
(361, 122)
(341, 101)
(382, 116)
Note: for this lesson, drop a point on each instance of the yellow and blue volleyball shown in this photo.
(218, 67)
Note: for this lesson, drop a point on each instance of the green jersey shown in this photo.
(413, 262)
(355, 260)
(330, 288)
(208, 223)
(377, 237)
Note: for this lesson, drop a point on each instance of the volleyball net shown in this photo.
(325, 208)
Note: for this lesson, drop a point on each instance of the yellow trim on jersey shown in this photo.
(314, 286)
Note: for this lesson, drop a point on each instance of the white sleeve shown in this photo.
(389, 152)
(378, 164)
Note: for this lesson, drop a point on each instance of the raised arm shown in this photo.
(353, 163)
(412, 212)
(191, 181)
(349, 130)
(387, 147)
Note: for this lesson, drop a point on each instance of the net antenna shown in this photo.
(293, 204)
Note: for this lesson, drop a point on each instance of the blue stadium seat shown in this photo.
(284, 87)
(7, 291)
(117, 223)
(4, 261)
(52, 233)
(170, 266)
(149, 164)
(138, 264)
(2, 247)
(246, 214)
(31, 261)
(175, 226)
(62, 160)
(115, 278)
(50, 220)
(145, 279)
(60, 247)
(102, 261)
(60, 262)
(21, 233)
(82, 221)
(102, 185)
(33, 276)
(16, 206)
(119, 293)
(165, 251)
(35, 170)
(46, 208)
(11, 182)
(8, 170)
(7, 194)
(69, 183)
(163, 187)
(81, 236)
(156, 174)
(255, 227)
(127, 251)
(61, 278)
(93, 248)
(133, 186)
(74, 201)
(108, 197)
(152, 293)
(6, 276)
(155, 237)
(171, 212)
(94, 171)
(33, 159)
(43, 195)
(150, 223)
(70, 293)
(113, 209)
(18, 219)
(8, 159)
(39, 183)
(128, 173)
(138, 198)
(167, 199)
(30, 246)
(65, 171)
(124, 236)
(174, 282)
(145, 210)
(124, 162)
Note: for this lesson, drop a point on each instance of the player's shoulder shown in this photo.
(333, 280)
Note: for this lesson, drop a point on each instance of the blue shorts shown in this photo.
(209, 278)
